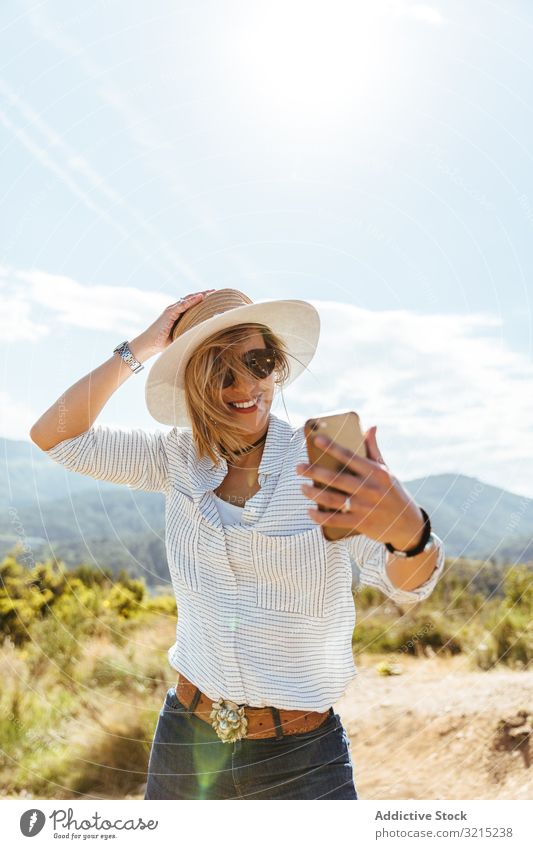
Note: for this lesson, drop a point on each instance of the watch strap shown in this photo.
(123, 349)
(420, 547)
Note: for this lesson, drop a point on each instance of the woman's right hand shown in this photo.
(157, 337)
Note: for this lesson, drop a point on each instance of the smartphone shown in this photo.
(342, 426)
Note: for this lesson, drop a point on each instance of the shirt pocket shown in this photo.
(291, 572)
(182, 534)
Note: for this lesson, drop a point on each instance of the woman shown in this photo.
(265, 605)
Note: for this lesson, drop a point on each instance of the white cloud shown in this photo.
(16, 324)
(446, 393)
(94, 307)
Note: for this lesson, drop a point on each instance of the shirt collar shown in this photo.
(205, 475)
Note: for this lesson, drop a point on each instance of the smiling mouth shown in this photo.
(245, 404)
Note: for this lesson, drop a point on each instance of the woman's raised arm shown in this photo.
(75, 410)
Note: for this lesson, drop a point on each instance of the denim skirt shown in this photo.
(189, 761)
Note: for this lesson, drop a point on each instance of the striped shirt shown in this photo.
(265, 606)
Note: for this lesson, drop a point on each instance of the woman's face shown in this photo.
(250, 388)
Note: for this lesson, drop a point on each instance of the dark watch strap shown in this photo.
(419, 548)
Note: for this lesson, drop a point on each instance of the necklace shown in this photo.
(242, 468)
(248, 447)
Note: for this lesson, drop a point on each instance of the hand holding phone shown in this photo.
(343, 427)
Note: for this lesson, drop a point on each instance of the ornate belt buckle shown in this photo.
(228, 720)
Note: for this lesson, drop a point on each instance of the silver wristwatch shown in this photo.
(124, 350)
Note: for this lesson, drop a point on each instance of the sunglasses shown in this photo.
(259, 361)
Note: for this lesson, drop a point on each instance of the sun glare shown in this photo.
(305, 59)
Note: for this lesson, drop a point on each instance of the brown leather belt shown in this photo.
(231, 721)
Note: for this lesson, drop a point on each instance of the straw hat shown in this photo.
(296, 322)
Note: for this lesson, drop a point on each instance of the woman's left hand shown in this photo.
(379, 508)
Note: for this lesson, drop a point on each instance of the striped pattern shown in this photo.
(291, 572)
(265, 606)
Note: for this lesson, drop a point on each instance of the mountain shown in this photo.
(73, 517)
(475, 518)
(28, 474)
(104, 510)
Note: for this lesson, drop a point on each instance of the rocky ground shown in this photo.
(439, 730)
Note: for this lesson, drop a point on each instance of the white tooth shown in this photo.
(245, 404)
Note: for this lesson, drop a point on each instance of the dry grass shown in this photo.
(95, 726)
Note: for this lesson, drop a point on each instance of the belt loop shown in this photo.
(195, 700)
(277, 723)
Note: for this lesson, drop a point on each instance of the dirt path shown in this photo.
(430, 732)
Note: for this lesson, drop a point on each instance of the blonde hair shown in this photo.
(211, 422)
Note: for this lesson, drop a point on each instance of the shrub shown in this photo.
(518, 588)
(511, 639)
(409, 634)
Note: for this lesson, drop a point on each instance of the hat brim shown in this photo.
(296, 322)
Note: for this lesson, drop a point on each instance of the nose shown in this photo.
(245, 389)
(247, 383)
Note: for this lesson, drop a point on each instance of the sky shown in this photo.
(373, 158)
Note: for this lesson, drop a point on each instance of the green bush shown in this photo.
(518, 589)
(123, 601)
(408, 635)
(165, 604)
(508, 639)
(493, 628)
(507, 627)
(81, 601)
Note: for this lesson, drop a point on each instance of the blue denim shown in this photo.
(189, 761)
